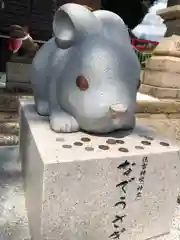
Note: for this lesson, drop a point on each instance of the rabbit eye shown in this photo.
(82, 83)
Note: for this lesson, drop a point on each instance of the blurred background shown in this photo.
(152, 27)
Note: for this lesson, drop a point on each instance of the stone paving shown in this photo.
(13, 216)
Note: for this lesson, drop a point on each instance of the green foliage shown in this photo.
(143, 56)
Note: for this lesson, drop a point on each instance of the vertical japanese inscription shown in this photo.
(125, 169)
(141, 178)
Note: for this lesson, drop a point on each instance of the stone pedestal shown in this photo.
(80, 186)
(161, 74)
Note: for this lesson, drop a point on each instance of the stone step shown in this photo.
(8, 139)
(9, 128)
(159, 92)
(163, 106)
(168, 46)
(163, 63)
(9, 117)
(18, 86)
(9, 123)
(4, 90)
(161, 79)
(9, 102)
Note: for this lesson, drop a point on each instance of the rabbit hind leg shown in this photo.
(42, 107)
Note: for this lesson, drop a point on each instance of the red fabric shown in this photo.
(14, 44)
(136, 43)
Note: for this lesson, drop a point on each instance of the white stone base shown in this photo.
(75, 184)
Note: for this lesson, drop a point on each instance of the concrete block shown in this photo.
(80, 186)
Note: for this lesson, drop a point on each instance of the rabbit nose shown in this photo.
(117, 110)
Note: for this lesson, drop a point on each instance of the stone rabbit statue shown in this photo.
(86, 76)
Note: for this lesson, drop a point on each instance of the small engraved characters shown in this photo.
(141, 178)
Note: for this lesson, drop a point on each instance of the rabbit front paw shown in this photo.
(63, 122)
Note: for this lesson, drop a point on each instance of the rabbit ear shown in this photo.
(113, 25)
(73, 22)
